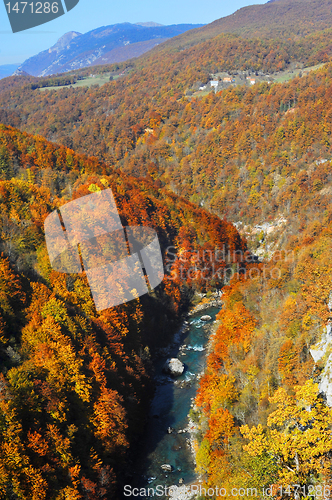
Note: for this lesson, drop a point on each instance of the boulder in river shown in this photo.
(174, 367)
(166, 467)
(206, 317)
(170, 430)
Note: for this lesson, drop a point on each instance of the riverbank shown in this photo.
(167, 452)
(214, 300)
(186, 491)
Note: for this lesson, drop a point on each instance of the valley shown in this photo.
(224, 79)
(236, 180)
(86, 81)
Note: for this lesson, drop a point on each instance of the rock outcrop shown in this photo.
(174, 367)
(166, 467)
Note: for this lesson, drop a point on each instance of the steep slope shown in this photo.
(129, 51)
(75, 383)
(279, 19)
(261, 413)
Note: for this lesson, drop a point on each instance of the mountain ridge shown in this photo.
(75, 50)
(275, 19)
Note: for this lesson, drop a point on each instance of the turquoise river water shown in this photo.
(170, 408)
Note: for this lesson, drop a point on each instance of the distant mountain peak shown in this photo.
(149, 24)
(64, 41)
(20, 72)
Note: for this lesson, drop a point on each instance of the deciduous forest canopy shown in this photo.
(75, 383)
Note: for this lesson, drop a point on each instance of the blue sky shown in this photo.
(91, 14)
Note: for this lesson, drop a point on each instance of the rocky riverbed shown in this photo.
(167, 452)
(214, 300)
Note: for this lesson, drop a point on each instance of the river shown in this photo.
(169, 409)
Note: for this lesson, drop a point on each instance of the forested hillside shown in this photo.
(262, 419)
(75, 383)
(258, 155)
(280, 19)
(248, 152)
